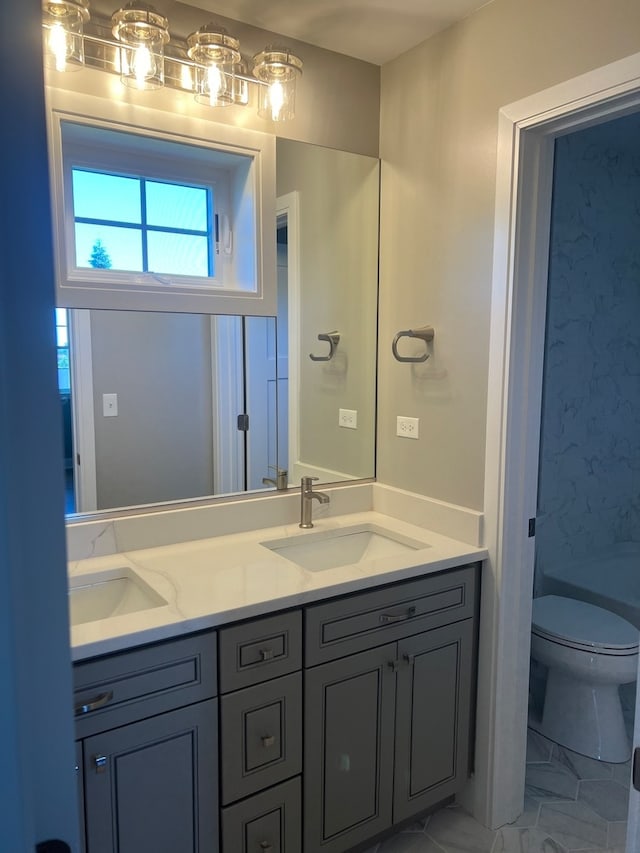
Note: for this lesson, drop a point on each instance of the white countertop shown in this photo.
(211, 582)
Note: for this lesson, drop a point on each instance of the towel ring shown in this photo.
(332, 338)
(425, 333)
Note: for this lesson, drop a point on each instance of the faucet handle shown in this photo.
(305, 482)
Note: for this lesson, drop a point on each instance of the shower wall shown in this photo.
(589, 483)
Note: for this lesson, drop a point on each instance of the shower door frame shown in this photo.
(526, 135)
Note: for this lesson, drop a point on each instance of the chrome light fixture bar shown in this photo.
(208, 64)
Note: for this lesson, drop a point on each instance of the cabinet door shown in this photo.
(80, 778)
(432, 717)
(151, 787)
(349, 720)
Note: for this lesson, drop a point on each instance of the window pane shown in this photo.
(175, 206)
(106, 197)
(118, 249)
(178, 254)
(61, 316)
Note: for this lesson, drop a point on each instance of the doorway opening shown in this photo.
(528, 130)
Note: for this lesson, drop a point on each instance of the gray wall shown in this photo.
(160, 445)
(438, 142)
(337, 97)
(338, 200)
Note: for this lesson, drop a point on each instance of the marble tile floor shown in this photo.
(571, 803)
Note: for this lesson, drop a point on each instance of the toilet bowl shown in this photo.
(589, 653)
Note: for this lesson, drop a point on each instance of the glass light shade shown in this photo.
(241, 87)
(64, 22)
(142, 33)
(279, 69)
(217, 55)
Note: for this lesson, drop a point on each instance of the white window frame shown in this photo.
(238, 165)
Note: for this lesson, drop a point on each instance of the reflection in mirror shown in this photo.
(163, 407)
(151, 400)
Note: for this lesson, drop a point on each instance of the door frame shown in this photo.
(84, 434)
(526, 133)
(288, 208)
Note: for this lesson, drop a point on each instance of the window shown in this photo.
(153, 215)
(132, 223)
(62, 347)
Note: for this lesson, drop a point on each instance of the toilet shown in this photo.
(589, 652)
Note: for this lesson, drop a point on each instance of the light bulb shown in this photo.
(143, 65)
(59, 46)
(276, 99)
(214, 82)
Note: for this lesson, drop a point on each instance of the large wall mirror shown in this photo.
(160, 407)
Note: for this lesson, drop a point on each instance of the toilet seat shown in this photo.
(584, 626)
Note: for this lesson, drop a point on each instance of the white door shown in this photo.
(37, 779)
(261, 400)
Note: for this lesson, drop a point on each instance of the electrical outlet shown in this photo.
(407, 427)
(348, 418)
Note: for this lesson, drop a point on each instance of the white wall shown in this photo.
(439, 118)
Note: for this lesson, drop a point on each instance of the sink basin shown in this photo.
(343, 546)
(111, 593)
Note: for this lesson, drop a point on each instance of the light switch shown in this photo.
(110, 405)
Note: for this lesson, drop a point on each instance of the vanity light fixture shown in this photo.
(142, 33)
(217, 58)
(278, 68)
(208, 63)
(64, 22)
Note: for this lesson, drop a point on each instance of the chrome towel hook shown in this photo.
(425, 333)
(332, 338)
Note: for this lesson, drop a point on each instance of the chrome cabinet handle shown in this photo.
(264, 845)
(266, 654)
(99, 702)
(385, 618)
(267, 741)
(100, 763)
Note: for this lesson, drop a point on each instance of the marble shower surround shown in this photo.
(589, 486)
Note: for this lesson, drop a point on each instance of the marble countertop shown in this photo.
(211, 582)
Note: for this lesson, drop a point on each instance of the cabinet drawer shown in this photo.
(261, 736)
(269, 822)
(121, 688)
(259, 650)
(358, 622)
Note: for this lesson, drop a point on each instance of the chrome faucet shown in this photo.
(280, 481)
(307, 496)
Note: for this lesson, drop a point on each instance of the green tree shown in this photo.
(100, 259)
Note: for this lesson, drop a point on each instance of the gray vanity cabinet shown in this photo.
(387, 729)
(147, 723)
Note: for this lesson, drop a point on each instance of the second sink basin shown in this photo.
(110, 593)
(343, 546)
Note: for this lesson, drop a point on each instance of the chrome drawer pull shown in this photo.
(100, 763)
(99, 702)
(266, 654)
(264, 845)
(267, 741)
(385, 618)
